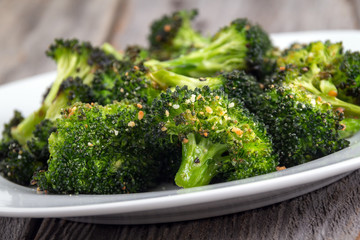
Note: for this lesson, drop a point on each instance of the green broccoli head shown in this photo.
(100, 150)
(319, 69)
(14, 121)
(303, 127)
(73, 59)
(171, 36)
(316, 56)
(347, 79)
(240, 45)
(38, 144)
(18, 163)
(217, 135)
(125, 81)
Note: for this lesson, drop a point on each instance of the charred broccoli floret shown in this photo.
(217, 135)
(303, 127)
(100, 150)
(74, 59)
(314, 68)
(18, 163)
(172, 36)
(240, 45)
(347, 79)
(319, 69)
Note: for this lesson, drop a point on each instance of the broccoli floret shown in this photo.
(238, 46)
(18, 163)
(38, 145)
(303, 127)
(14, 121)
(172, 36)
(100, 150)
(317, 68)
(313, 67)
(347, 79)
(125, 81)
(217, 135)
(73, 59)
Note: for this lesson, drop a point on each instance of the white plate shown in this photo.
(169, 203)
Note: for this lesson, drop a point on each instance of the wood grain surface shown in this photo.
(28, 27)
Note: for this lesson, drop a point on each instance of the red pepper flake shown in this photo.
(332, 93)
(167, 28)
(141, 115)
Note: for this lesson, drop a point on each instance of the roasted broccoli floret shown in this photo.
(315, 67)
(18, 163)
(240, 45)
(319, 69)
(74, 59)
(100, 150)
(347, 79)
(303, 127)
(125, 82)
(217, 134)
(171, 36)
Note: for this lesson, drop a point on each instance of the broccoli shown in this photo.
(74, 59)
(237, 84)
(124, 81)
(314, 67)
(217, 135)
(100, 150)
(238, 46)
(319, 69)
(110, 50)
(303, 127)
(347, 79)
(172, 36)
(18, 163)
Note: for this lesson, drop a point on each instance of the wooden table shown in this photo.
(27, 28)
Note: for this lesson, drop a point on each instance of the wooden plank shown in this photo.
(26, 30)
(18, 228)
(274, 16)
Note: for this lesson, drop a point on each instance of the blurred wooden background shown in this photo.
(28, 27)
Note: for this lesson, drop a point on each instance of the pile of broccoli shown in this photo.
(190, 109)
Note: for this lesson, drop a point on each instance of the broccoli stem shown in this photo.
(352, 126)
(165, 79)
(54, 110)
(24, 131)
(350, 109)
(186, 36)
(67, 66)
(225, 53)
(200, 160)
